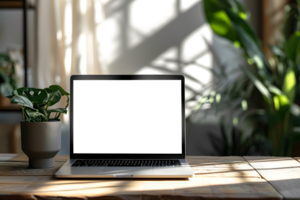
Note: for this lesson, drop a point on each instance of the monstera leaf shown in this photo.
(54, 96)
(36, 96)
(57, 87)
(21, 100)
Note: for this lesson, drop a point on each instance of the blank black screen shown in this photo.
(135, 117)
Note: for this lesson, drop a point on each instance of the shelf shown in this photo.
(13, 5)
(11, 107)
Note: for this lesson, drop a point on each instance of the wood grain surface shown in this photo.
(283, 173)
(231, 166)
(232, 188)
(215, 178)
(297, 158)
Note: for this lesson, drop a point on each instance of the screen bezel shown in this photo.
(126, 77)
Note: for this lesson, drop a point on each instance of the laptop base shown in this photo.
(67, 171)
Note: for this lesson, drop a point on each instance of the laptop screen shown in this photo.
(127, 117)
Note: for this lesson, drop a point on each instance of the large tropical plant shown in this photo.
(263, 95)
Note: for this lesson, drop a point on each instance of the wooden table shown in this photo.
(215, 178)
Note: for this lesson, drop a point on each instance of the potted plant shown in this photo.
(40, 133)
(7, 78)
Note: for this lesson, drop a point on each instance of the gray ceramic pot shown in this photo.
(41, 141)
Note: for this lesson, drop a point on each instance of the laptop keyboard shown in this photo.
(127, 163)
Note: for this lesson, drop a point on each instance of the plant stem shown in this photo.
(68, 100)
(43, 111)
(23, 115)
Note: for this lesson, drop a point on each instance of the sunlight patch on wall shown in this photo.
(195, 45)
(149, 70)
(68, 36)
(147, 17)
(68, 57)
(99, 14)
(68, 23)
(105, 1)
(109, 35)
(59, 35)
(187, 4)
(83, 7)
(82, 53)
(205, 61)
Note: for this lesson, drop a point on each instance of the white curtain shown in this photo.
(67, 42)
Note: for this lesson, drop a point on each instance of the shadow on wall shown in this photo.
(173, 34)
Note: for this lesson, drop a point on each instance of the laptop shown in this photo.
(127, 126)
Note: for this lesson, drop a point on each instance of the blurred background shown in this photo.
(240, 60)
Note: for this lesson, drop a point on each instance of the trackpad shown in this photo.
(128, 171)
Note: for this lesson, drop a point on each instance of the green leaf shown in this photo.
(289, 84)
(6, 89)
(275, 90)
(10, 97)
(237, 20)
(281, 101)
(54, 98)
(36, 96)
(48, 91)
(218, 20)
(277, 51)
(250, 44)
(59, 110)
(4, 77)
(42, 110)
(239, 9)
(292, 47)
(57, 87)
(35, 115)
(21, 100)
(259, 85)
(4, 57)
(68, 101)
(20, 91)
